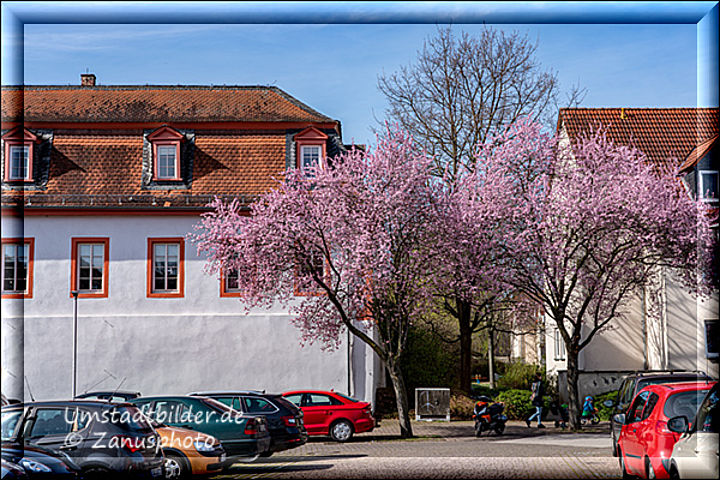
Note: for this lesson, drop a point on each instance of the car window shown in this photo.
(354, 400)
(9, 423)
(623, 393)
(319, 400)
(129, 418)
(650, 405)
(684, 403)
(51, 421)
(257, 405)
(226, 400)
(635, 413)
(707, 418)
(295, 398)
(168, 411)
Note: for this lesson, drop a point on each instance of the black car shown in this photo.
(105, 439)
(12, 471)
(284, 418)
(38, 462)
(111, 396)
(635, 382)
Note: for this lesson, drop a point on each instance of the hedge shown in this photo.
(518, 404)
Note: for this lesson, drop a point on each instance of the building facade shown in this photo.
(665, 331)
(101, 187)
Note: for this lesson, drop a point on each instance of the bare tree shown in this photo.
(463, 89)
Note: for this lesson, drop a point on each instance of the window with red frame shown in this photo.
(19, 147)
(90, 266)
(166, 267)
(17, 260)
(166, 153)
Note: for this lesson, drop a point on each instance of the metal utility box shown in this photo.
(432, 404)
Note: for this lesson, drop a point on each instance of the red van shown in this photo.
(332, 413)
(645, 443)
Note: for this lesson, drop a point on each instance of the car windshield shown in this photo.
(684, 403)
(130, 418)
(9, 423)
(707, 417)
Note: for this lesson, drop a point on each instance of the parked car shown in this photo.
(332, 413)
(241, 435)
(112, 396)
(635, 382)
(284, 418)
(188, 452)
(645, 442)
(695, 455)
(12, 471)
(38, 463)
(7, 401)
(104, 439)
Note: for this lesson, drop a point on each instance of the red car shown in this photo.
(332, 413)
(645, 443)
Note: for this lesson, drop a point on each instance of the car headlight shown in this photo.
(206, 446)
(33, 466)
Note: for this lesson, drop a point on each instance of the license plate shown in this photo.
(156, 472)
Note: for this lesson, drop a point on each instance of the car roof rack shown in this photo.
(670, 372)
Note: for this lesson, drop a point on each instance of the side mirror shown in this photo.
(619, 418)
(678, 424)
(609, 403)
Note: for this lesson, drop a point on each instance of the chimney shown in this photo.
(87, 79)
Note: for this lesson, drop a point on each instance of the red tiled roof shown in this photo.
(104, 167)
(666, 135)
(166, 104)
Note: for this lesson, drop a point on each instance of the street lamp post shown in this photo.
(74, 293)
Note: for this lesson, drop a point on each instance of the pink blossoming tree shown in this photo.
(351, 237)
(589, 226)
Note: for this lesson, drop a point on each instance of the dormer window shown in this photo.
(708, 185)
(166, 153)
(310, 149)
(19, 151)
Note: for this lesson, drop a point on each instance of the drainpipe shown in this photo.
(349, 365)
(644, 329)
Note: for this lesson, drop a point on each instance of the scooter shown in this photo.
(488, 416)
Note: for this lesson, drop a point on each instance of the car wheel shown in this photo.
(266, 454)
(341, 431)
(614, 447)
(176, 467)
(500, 428)
(649, 470)
(674, 474)
(96, 473)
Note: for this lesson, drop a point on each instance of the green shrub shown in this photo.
(518, 404)
(477, 389)
(604, 412)
(519, 376)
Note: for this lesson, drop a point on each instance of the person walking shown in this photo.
(538, 391)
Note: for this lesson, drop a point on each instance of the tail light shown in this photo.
(661, 427)
(131, 444)
(367, 410)
(251, 427)
(289, 421)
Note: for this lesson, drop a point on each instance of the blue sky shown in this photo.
(334, 67)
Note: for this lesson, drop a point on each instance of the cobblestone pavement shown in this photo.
(443, 450)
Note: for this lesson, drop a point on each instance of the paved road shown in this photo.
(443, 451)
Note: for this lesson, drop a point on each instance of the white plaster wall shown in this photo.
(162, 345)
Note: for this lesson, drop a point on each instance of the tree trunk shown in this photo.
(491, 357)
(572, 388)
(400, 398)
(463, 310)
